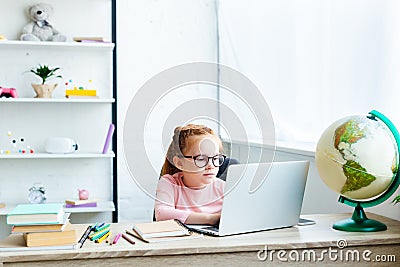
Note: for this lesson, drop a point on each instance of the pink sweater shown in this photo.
(176, 201)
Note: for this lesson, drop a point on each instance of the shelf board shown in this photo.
(56, 100)
(102, 206)
(74, 45)
(57, 156)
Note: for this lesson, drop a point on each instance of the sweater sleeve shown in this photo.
(165, 206)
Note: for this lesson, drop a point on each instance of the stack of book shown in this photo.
(42, 225)
(72, 203)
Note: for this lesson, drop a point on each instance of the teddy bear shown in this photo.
(40, 29)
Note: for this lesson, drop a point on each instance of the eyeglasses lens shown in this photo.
(202, 161)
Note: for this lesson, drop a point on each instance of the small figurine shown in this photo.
(83, 194)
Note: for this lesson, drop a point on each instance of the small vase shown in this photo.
(44, 90)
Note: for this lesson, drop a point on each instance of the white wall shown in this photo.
(153, 36)
(316, 60)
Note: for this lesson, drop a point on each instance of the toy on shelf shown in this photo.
(82, 202)
(2, 38)
(80, 91)
(83, 194)
(8, 92)
(18, 146)
(60, 145)
(40, 29)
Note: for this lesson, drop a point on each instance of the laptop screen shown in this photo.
(261, 196)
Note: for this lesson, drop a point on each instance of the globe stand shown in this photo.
(359, 223)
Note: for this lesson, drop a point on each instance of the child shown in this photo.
(188, 189)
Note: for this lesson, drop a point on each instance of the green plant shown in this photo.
(45, 73)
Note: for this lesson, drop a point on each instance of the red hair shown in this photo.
(180, 143)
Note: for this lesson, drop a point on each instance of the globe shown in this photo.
(358, 157)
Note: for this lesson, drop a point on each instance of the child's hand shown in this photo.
(203, 218)
(214, 218)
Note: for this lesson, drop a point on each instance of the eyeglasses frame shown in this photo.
(208, 159)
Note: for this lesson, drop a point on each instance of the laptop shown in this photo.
(260, 196)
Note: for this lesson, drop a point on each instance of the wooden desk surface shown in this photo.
(245, 248)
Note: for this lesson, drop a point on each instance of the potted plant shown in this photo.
(44, 90)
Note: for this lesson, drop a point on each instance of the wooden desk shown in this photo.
(239, 250)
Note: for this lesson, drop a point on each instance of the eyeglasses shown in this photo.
(202, 160)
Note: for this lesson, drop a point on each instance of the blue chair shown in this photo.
(224, 167)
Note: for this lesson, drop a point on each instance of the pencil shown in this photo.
(108, 238)
(104, 226)
(98, 226)
(116, 238)
(101, 239)
(124, 236)
(98, 234)
(84, 236)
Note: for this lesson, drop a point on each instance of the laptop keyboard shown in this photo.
(212, 228)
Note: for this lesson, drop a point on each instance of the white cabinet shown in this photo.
(34, 120)
(30, 121)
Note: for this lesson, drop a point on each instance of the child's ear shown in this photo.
(178, 162)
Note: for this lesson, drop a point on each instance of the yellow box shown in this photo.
(80, 92)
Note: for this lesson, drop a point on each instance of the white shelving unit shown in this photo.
(34, 120)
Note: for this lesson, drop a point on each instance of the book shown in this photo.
(191, 235)
(87, 205)
(90, 39)
(80, 202)
(166, 228)
(16, 242)
(65, 237)
(27, 214)
(35, 228)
